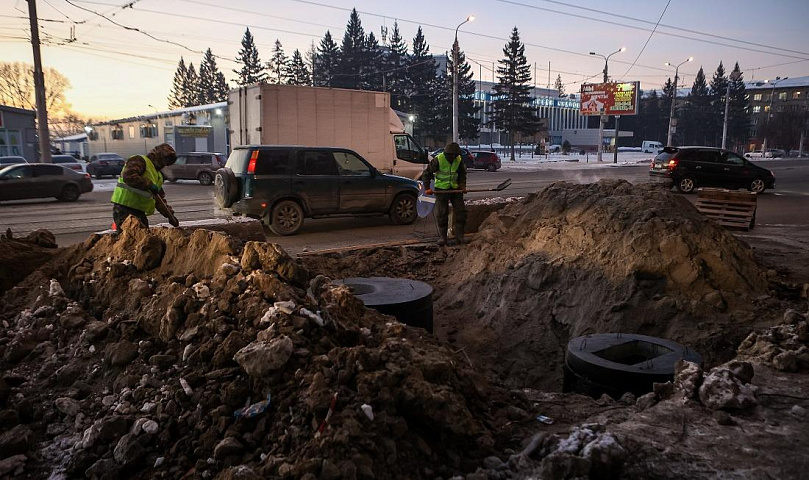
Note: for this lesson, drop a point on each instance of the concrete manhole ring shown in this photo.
(615, 363)
(410, 301)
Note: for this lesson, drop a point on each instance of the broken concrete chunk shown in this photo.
(260, 358)
(721, 389)
(687, 378)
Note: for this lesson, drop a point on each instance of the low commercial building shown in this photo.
(18, 133)
(75, 145)
(203, 128)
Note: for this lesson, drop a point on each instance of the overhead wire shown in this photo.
(647, 40)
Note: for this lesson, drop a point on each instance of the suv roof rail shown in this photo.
(670, 149)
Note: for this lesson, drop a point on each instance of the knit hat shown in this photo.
(164, 153)
(452, 149)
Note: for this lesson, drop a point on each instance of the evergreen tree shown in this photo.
(558, 85)
(326, 62)
(252, 70)
(297, 72)
(191, 94)
(277, 65)
(397, 78)
(717, 92)
(372, 77)
(310, 59)
(352, 54)
(425, 89)
(212, 86)
(696, 112)
(179, 87)
(511, 109)
(468, 123)
(738, 119)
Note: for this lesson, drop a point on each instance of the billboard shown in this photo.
(610, 98)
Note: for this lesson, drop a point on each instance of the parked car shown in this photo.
(282, 185)
(650, 146)
(11, 160)
(691, 167)
(67, 161)
(487, 161)
(468, 158)
(105, 164)
(42, 180)
(758, 154)
(195, 166)
(776, 152)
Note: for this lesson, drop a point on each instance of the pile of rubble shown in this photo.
(21, 256)
(162, 354)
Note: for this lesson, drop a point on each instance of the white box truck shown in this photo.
(650, 146)
(358, 120)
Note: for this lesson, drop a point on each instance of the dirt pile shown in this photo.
(160, 354)
(603, 257)
(21, 256)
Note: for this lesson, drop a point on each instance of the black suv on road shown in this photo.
(282, 185)
(691, 167)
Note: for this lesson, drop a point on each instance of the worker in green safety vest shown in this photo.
(449, 172)
(140, 182)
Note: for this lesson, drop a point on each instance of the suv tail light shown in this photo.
(673, 164)
(103, 162)
(251, 167)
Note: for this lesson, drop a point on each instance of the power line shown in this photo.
(253, 12)
(63, 14)
(602, 12)
(601, 20)
(647, 40)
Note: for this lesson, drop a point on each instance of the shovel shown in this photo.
(498, 188)
(172, 219)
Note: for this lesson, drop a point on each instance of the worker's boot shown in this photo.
(442, 238)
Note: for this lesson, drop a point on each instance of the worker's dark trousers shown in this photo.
(121, 212)
(442, 201)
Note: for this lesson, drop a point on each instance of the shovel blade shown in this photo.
(503, 185)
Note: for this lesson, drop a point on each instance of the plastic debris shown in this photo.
(545, 420)
(368, 411)
(314, 316)
(253, 410)
(325, 421)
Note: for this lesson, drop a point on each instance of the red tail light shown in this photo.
(251, 167)
(672, 163)
(87, 175)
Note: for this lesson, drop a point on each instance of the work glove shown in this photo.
(463, 189)
(429, 191)
(154, 189)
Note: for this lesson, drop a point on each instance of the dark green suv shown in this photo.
(282, 185)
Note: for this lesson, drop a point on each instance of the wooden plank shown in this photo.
(728, 208)
(727, 195)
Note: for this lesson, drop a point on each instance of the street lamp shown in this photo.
(601, 119)
(155, 108)
(455, 53)
(674, 94)
(769, 113)
(734, 76)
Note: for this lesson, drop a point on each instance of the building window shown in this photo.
(757, 97)
(757, 109)
(782, 96)
(755, 121)
(131, 131)
(148, 131)
(796, 95)
(766, 108)
(117, 133)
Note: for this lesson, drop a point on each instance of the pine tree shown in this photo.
(371, 78)
(715, 116)
(558, 85)
(352, 54)
(277, 65)
(468, 123)
(179, 86)
(738, 119)
(511, 110)
(326, 62)
(310, 59)
(297, 72)
(695, 112)
(397, 78)
(212, 86)
(252, 70)
(191, 94)
(425, 89)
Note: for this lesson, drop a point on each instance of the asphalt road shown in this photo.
(782, 208)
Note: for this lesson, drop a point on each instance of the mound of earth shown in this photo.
(21, 256)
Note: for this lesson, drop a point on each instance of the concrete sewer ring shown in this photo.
(410, 301)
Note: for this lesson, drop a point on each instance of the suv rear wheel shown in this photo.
(205, 178)
(285, 218)
(225, 188)
(403, 210)
(686, 185)
(757, 186)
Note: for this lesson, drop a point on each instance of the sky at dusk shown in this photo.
(117, 73)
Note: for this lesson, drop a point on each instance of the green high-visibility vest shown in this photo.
(132, 197)
(446, 178)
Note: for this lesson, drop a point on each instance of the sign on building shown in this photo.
(610, 98)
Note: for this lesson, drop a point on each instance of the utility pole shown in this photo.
(455, 73)
(769, 113)
(674, 97)
(733, 77)
(39, 86)
(602, 118)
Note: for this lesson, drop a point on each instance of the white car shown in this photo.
(758, 154)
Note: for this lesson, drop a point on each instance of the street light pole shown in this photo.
(769, 113)
(733, 77)
(39, 88)
(602, 119)
(455, 54)
(674, 95)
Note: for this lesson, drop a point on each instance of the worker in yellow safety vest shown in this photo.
(449, 172)
(140, 182)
